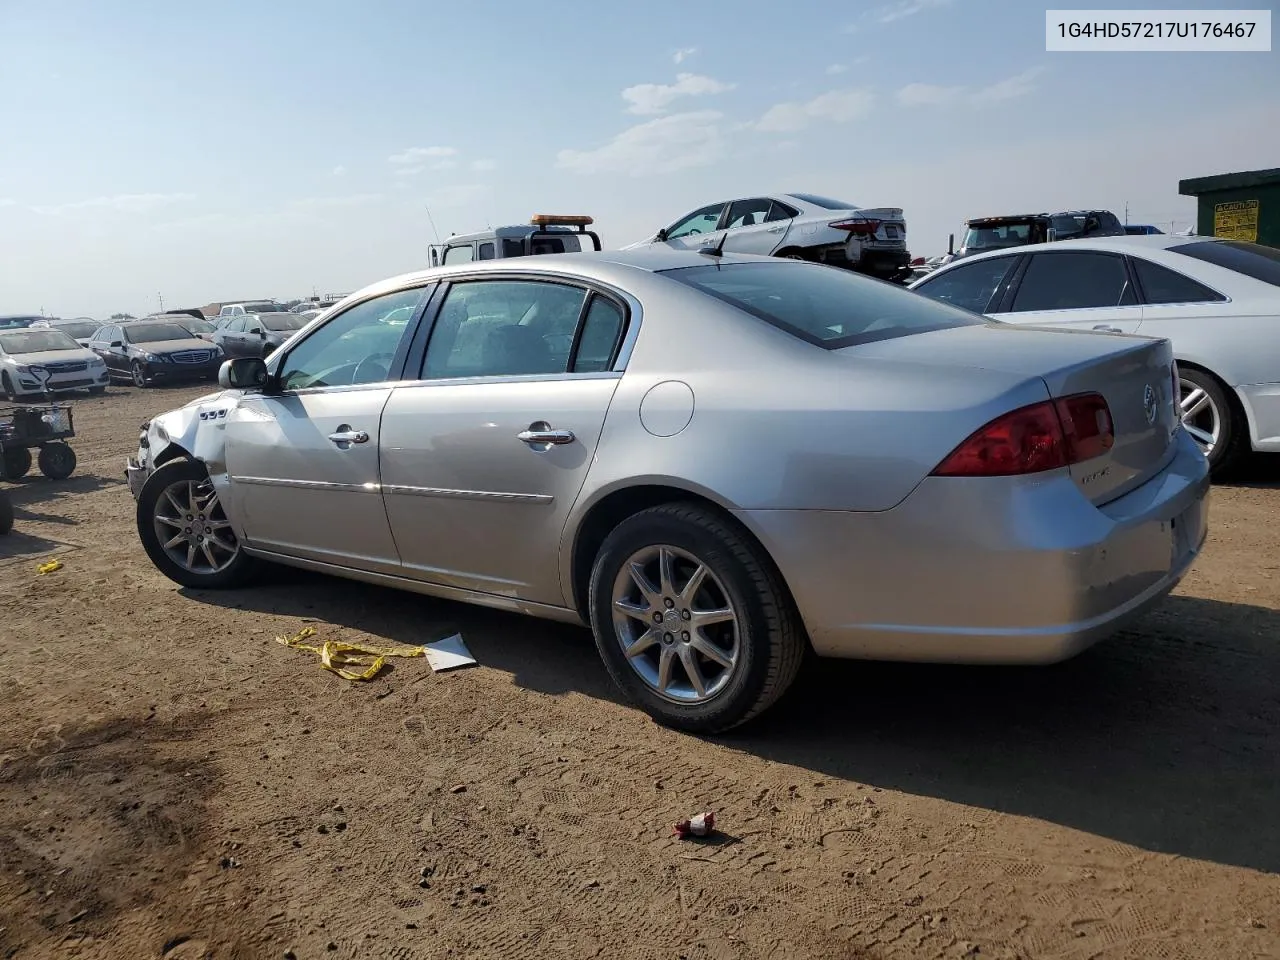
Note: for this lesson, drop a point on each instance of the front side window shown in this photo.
(354, 347)
(459, 254)
(748, 213)
(1162, 285)
(1074, 281)
(826, 306)
(970, 286)
(155, 332)
(497, 328)
(700, 221)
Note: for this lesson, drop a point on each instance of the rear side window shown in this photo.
(1251, 259)
(1074, 281)
(601, 331)
(826, 306)
(780, 211)
(970, 286)
(1162, 285)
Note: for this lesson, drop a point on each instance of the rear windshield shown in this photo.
(36, 341)
(1251, 259)
(826, 202)
(77, 328)
(261, 307)
(152, 332)
(826, 306)
(283, 321)
(15, 323)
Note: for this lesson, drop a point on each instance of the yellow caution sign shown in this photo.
(338, 656)
(49, 567)
(1237, 220)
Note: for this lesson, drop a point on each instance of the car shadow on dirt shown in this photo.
(1261, 470)
(1164, 737)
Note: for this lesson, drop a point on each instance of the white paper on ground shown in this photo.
(448, 654)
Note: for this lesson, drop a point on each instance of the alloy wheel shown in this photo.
(676, 624)
(192, 528)
(1200, 415)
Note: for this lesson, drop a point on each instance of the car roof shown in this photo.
(1118, 244)
(510, 232)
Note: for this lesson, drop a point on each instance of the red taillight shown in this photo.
(1042, 436)
(859, 226)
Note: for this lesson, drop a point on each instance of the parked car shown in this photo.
(544, 233)
(1141, 229)
(580, 437)
(311, 306)
(146, 352)
(230, 310)
(798, 226)
(19, 321)
(80, 329)
(1217, 301)
(256, 335)
(200, 328)
(999, 233)
(36, 362)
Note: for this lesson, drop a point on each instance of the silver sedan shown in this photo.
(714, 462)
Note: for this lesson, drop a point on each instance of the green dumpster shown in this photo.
(1237, 206)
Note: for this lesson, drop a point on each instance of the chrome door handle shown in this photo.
(541, 433)
(1107, 328)
(349, 436)
(776, 229)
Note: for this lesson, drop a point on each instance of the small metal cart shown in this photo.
(44, 428)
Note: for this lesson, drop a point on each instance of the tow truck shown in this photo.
(544, 233)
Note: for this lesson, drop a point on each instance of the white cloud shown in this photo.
(415, 155)
(1010, 88)
(339, 170)
(664, 145)
(483, 165)
(902, 9)
(120, 203)
(683, 54)
(656, 97)
(834, 106)
(836, 68)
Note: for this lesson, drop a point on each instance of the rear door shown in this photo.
(750, 229)
(975, 285)
(1084, 289)
(483, 458)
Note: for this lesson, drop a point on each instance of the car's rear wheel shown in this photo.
(1212, 420)
(17, 462)
(139, 374)
(57, 460)
(692, 620)
(186, 532)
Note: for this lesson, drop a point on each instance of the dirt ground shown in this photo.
(174, 783)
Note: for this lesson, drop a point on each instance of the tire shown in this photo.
(57, 460)
(6, 513)
(97, 391)
(187, 476)
(770, 640)
(139, 375)
(17, 463)
(1214, 412)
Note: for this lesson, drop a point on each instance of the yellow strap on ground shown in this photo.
(49, 567)
(338, 655)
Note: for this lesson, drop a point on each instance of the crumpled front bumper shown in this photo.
(136, 474)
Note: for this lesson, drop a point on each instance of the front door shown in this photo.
(303, 462)
(696, 230)
(1083, 289)
(483, 459)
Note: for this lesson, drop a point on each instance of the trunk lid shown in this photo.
(892, 227)
(1134, 374)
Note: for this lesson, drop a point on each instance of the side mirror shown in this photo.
(262, 333)
(660, 236)
(243, 373)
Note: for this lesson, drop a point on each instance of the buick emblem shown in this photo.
(1149, 403)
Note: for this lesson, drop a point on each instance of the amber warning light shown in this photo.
(566, 220)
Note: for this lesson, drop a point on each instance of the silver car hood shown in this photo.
(55, 356)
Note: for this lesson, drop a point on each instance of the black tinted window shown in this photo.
(512, 248)
(154, 332)
(1162, 285)
(823, 305)
(970, 285)
(1073, 281)
(601, 331)
(780, 211)
(1251, 259)
(486, 251)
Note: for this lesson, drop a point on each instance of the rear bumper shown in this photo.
(1262, 405)
(989, 570)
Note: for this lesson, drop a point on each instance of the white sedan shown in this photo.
(36, 362)
(1217, 301)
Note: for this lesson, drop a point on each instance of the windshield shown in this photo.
(283, 321)
(152, 332)
(36, 341)
(197, 326)
(828, 307)
(80, 329)
(1251, 259)
(997, 236)
(825, 202)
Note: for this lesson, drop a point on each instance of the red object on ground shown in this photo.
(697, 826)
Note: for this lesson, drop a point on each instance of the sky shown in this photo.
(207, 152)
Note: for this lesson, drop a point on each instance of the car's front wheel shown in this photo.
(186, 532)
(692, 620)
(139, 374)
(6, 386)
